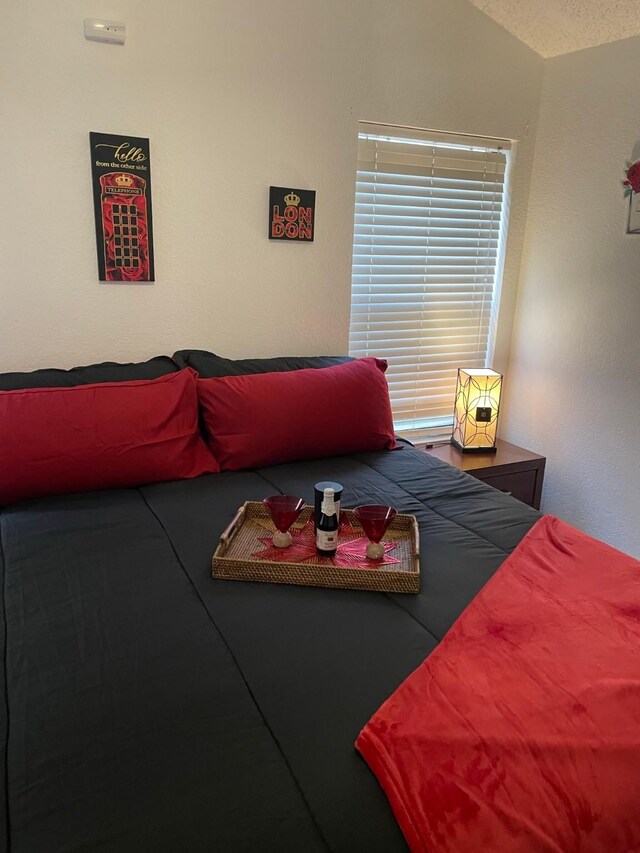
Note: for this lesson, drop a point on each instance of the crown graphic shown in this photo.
(124, 180)
(292, 199)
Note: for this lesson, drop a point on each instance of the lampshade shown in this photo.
(476, 410)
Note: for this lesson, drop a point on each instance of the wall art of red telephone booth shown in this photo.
(121, 179)
(125, 227)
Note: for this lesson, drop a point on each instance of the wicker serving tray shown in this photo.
(234, 557)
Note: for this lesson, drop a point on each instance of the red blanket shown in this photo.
(521, 731)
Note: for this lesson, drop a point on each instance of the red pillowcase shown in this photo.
(108, 435)
(268, 418)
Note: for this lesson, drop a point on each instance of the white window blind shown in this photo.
(426, 249)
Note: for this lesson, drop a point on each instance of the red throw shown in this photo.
(521, 731)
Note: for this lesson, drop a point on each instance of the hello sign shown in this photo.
(291, 214)
(121, 176)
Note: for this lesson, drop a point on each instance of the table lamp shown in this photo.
(475, 417)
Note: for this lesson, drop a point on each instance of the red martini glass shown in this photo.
(375, 519)
(283, 509)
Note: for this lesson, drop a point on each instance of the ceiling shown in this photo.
(552, 27)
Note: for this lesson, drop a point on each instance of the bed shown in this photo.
(149, 707)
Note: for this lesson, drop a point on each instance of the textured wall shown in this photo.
(574, 375)
(234, 95)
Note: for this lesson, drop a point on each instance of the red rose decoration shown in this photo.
(633, 177)
(133, 273)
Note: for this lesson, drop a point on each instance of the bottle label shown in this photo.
(327, 540)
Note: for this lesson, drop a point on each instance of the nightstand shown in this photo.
(511, 469)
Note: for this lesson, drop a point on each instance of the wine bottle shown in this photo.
(327, 532)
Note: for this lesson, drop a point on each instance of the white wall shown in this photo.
(574, 375)
(234, 95)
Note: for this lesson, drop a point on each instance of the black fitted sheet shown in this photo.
(151, 708)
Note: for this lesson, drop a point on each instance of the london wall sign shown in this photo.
(291, 214)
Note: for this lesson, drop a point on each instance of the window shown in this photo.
(429, 216)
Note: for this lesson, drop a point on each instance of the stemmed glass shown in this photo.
(375, 519)
(284, 510)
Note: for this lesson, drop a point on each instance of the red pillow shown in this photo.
(268, 418)
(109, 435)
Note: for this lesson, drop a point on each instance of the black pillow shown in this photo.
(107, 371)
(209, 365)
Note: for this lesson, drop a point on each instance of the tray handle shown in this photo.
(230, 531)
(416, 533)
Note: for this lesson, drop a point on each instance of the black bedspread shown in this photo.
(151, 708)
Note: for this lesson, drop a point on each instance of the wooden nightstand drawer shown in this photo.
(520, 485)
(511, 469)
